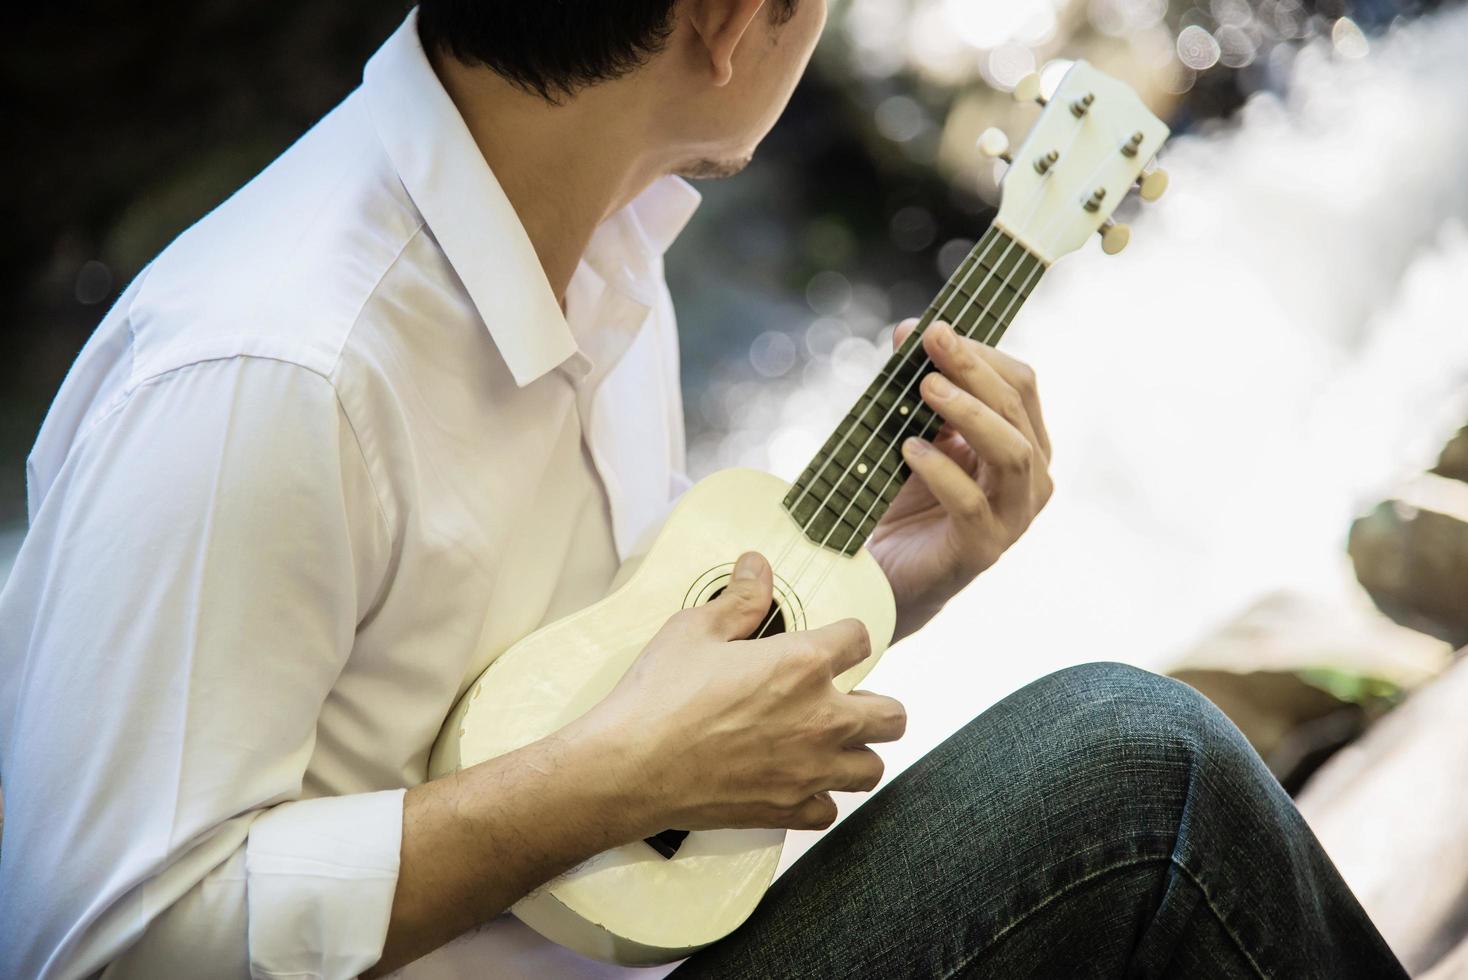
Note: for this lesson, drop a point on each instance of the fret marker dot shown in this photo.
(902, 410)
(861, 467)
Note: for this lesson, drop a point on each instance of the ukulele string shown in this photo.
(916, 347)
(861, 416)
(810, 558)
(795, 537)
(989, 339)
(907, 355)
(833, 558)
(989, 275)
(901, 364)
(998, 325)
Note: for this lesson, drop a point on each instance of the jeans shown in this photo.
(1101, 822)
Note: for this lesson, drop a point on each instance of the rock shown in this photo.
(1392, 812)
(1302, 676)
(1453, 463)
(1411, 555)
(1293, 725)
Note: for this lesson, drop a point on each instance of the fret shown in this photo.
(1006, 262)
(862, 427)
(993, 303)
(896, 371)
(985, 329)
(963, 274)
(991, 293)
(855, 476)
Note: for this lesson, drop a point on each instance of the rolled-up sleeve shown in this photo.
(182, 606)
(321, 878)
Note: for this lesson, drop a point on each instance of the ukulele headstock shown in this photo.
(1092, 145)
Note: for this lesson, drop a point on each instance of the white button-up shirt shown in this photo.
(334, 450)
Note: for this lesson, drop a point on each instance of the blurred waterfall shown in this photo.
(1284, 337)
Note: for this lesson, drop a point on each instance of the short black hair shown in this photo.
(553, 47)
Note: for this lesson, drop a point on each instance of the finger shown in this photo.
(1003, 448)
(844, 643)
(952, 444)
(963, 362)
(903, 331)
(1021, 377)
(956, 491)
(816, 813)
(738, 610)
(857, 770)
(882, 719)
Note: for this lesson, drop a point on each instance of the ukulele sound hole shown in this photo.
(774, 621)
(668, 842)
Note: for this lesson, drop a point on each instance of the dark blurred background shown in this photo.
(127, 125)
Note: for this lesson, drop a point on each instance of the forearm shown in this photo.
(476, 842)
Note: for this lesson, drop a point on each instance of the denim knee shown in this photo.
(1105, 730)
(1117, 709)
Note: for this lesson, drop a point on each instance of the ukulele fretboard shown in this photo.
(849, 484)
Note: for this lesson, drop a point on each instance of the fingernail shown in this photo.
(941, 386)
(916, 446)
(747, 566)
(944, 335)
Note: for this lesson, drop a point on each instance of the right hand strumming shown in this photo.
(714, 730)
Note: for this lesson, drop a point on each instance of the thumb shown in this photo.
(740, 608)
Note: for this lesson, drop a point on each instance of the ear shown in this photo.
(721, 25)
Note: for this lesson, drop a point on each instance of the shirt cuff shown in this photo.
(320, 877)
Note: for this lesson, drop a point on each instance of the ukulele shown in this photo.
(661, 899)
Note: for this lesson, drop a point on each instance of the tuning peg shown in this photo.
(1028, 89)
(993, 143)
(1114, 237)
(1152, 184)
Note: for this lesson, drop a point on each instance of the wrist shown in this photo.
(914, 611)
(613, 771)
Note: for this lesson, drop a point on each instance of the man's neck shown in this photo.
(564, 168)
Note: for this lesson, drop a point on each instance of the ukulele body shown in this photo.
(631, 905)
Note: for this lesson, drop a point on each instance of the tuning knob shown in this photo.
(993, 143)
(1114, 237)
(1152, 184)
(1028, 89)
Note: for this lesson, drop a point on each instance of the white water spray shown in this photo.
(1286, 336)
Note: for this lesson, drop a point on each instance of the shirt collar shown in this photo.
(473, 221)
(663, 209)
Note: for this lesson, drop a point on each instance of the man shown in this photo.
(410, 393)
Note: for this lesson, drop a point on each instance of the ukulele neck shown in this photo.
(847, 487)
